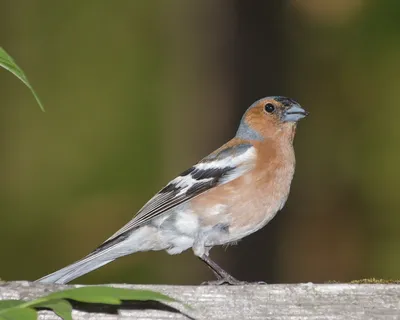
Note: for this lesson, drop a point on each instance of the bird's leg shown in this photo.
(222, 276)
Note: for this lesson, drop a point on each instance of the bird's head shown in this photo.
(269, 117)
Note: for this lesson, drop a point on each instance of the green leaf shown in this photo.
(9, 64)
(19, 314)
(108, 295)
(24, 310)
(6, 304)
(61, 308)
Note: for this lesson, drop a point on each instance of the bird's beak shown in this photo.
(294, 113)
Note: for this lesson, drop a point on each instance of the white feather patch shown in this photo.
(247, 156)
(186, 182)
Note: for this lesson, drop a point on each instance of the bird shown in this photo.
(231, 193)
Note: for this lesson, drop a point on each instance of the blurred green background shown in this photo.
(138, 91)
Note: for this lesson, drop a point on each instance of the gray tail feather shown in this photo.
(104, 254)
(73, 271)
(98, 258)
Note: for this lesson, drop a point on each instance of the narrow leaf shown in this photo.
(109, 295)
(9, 64)
(62, 308)
(6, 304)
(19, 314)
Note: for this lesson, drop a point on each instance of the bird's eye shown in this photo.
(269, 107)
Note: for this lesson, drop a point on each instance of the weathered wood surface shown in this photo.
(283, 301)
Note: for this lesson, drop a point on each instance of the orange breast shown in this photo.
(250, 201)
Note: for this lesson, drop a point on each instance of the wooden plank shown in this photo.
(280, 301)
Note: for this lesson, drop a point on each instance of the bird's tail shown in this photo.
(117, 246)
(73, 271)
(106, 253)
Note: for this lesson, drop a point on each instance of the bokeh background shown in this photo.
(138, 91)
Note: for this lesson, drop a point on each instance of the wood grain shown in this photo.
(281, 301)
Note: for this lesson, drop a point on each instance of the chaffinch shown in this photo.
(231, 193)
